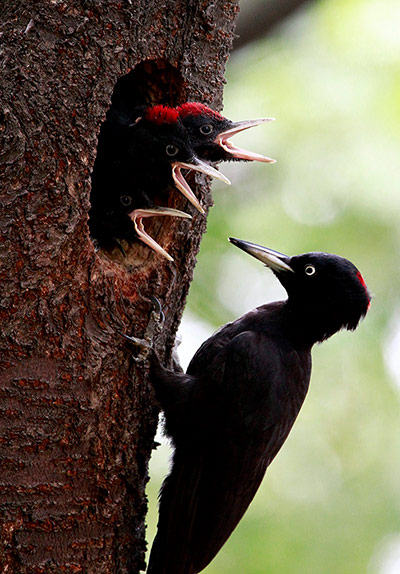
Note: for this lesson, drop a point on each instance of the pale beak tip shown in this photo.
(224, 179)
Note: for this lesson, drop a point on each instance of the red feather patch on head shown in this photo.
(196, 109)
(162, 115)
(362, 281)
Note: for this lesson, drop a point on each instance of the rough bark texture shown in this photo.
(77, 416)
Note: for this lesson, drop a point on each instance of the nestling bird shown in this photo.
(140, 155)
(122, 218)
(230, 414)
(209, 134)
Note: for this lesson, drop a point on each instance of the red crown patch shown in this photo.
(361, 280)
(162, 115)
(196, 109)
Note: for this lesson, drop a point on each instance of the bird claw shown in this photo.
(157, 311)
(155, 323)
(145, 346)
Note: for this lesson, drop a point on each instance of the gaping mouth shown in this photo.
(137, 217)
(236, 152)
(182, 184)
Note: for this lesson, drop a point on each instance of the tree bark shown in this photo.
(77, 415)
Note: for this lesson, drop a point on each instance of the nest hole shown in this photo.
(151, 82)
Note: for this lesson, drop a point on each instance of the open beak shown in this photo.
(273, 259)
(223, 141)
(197, 165)
(137, 217)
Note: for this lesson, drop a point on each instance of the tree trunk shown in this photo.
(77, 416)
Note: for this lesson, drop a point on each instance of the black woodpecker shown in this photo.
(230, 414)
(209, 134)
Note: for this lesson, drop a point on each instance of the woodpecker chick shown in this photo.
(230, 414)
(161, 131)
(119, 219)
(209, 134)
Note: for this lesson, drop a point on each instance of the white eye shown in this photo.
(206, 130)
(309, 270)
(171, 150)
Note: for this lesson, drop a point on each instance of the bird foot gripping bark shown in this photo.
(155, 323)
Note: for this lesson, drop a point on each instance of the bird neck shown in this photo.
(308, 325)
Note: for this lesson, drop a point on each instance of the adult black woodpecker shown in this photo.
(229, 415)
(209, 134)
(140, 156)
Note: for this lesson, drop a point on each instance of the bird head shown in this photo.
(209, 134)
(163, 136)
(326, 292)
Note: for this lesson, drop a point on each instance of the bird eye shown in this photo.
(206, 130)
(125, 200)
(171, 150)
(309, 270)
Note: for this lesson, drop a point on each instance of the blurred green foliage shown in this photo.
(330, 502)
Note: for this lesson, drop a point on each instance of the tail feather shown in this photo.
(201, 502)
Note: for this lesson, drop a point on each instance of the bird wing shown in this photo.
(212, 483)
